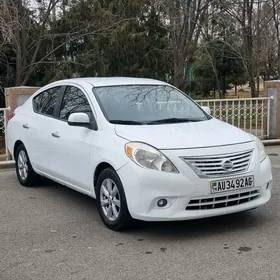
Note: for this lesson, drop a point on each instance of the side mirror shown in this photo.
(207, 110)
(79, 119)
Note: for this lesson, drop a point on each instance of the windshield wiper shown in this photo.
(125, 122)
(174, 120)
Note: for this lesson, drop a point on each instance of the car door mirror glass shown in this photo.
(79, 119)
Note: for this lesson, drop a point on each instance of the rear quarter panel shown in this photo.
(15, 130)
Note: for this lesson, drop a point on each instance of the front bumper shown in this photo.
(143, 188)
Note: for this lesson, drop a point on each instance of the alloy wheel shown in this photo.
(22, 165)
(110, 199)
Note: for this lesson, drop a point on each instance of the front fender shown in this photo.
(108, 149)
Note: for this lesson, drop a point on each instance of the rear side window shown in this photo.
(74, 101)
(45, 102)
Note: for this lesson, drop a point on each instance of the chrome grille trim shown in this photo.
(214, 202)
(212, 166)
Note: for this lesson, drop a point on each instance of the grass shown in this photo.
(231, 94)
(242, 94)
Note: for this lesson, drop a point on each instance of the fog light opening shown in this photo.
(162, 202)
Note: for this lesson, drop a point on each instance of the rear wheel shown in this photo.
(25, 173)
(111, 201)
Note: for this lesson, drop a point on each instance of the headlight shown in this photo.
(149, 157)
(261, 149)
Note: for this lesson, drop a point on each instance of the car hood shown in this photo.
(208, 133)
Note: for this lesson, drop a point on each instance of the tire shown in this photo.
(117, 197)
(25, 173)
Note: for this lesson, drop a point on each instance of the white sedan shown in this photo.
(141, 147)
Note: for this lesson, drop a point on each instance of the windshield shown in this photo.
(147, 104)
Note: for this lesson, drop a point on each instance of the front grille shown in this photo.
(222, 201)
(214, 166)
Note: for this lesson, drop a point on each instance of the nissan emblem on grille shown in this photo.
(227, 165)
(219, 165)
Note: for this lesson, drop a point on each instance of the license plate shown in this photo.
(232, 184)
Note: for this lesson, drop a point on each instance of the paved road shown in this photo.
(51, 232)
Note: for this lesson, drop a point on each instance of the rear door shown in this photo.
(38, 127)
(71, 145)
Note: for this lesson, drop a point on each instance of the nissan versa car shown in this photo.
(141, 147)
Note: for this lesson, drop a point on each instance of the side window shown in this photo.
(45, 102)
(74, 101)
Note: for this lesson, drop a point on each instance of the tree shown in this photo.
(276, 19)
(205, 80)
(27, 30)
(184, 21)
(123, 38)
(47, 40)
(219, 39)
(243, 13)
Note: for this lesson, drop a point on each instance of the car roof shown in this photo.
(112, 81)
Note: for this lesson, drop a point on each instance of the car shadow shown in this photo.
(166, 230)
(202, 227)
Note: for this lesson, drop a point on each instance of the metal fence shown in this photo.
(4, 155)
(249, 114)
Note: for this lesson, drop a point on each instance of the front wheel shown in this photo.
(111, 201)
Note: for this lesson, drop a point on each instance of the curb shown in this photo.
(272, 142)
(7, 164)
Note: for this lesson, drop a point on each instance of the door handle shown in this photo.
(25, 126)
(55, 134)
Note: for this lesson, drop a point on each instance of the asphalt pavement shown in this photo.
(51, 232)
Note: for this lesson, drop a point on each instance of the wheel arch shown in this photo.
(99, 168)
(17, 143)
